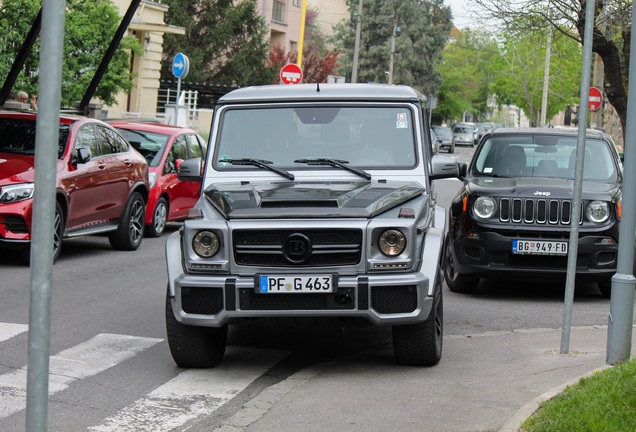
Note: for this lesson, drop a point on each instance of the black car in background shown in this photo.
(511, 219)
(444, 136)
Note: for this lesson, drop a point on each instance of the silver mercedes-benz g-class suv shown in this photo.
(317, 201)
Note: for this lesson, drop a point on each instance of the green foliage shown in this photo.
(466, 70)
(224, 41)
(603, 402)
(89, 26)
(521, 67)
(424, 29)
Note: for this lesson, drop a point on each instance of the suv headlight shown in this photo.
(15, 193)
(597, 211)
(392, 242)
(485, 207)
(205, 244)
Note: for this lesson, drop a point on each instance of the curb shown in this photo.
(515, 422)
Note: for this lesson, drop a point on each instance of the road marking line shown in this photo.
(194, 393)
(89, 358)
(9, 330)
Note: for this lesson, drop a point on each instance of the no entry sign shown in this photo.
(595, 99)
(291, 74)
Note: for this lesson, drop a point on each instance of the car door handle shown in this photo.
(101, 165)
(128, 162)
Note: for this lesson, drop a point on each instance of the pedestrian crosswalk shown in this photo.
(182, 400)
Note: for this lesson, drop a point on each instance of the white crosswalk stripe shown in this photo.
(194, 393)
(9, 330)
(89, 358)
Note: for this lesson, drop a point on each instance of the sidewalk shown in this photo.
(485, 382)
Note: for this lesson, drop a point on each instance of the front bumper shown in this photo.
(214, 300)
(490, 256)
(15, 225)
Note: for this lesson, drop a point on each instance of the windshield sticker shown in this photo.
(488, 170)
(401, 121)
(222, 160)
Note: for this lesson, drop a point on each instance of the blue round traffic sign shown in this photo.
(180, 65)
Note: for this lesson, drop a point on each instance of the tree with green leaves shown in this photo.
(225, 41)
(88, 28)
(521, 67)
(423, 31)
(467, 75)
(611, 35)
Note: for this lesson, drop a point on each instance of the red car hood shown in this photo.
(16, 168)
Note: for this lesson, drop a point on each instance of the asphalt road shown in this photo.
(111, 369)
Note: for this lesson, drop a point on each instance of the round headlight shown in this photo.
(205, 244)
(485, 207)
(597, 211)
(392, 242)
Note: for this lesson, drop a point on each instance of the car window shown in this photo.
(180, 148)
(86, 138)
(111, 141)
(463, 129)
(194, 146)
(544, 156)
(150, 144)
(442, 131)
(365, 136)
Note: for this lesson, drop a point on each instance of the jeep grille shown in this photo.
(539, 211)
(324, 247)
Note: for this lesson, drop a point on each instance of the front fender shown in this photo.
(174, 260)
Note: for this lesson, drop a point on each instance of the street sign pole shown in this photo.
(180, 69)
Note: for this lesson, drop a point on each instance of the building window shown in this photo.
(295, 3)
(278, 11)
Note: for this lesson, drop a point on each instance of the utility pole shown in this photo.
(392, 58)
(546, 78)
(356, 47)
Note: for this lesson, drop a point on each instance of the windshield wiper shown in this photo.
(335, 163)
(261, 163)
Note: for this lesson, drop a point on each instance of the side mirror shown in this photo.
(446, 167)
(190, 170)
(177, 163)
(82, 155)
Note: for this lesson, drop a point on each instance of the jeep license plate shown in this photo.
(273, 284)
(541, 247)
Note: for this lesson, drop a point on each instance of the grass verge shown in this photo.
(603, 402)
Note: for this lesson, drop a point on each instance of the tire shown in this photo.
(58, 231)
(605, 288)
(131, 225)
(159, 219)
(456, 282)
(421, 344)
(193, 346)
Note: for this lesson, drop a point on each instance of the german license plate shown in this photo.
(540, 247)
(276, 284)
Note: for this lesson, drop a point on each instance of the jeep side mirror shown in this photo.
(190, 170)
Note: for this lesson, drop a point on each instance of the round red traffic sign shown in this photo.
(291, 74)
(595, 99)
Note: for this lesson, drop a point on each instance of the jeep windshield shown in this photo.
(18, 136)
(361, 136)
(547, 156)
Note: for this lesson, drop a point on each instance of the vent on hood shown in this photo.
(296, 204)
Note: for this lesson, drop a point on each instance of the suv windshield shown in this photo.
(18, 136)
(543, 156)
(376, 136)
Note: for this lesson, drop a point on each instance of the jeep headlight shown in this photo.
(205, 244)
(485, 207)
(16, 192)
(597, 211)
(392, 242)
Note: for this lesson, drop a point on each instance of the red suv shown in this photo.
(101, 183)
(165, 147)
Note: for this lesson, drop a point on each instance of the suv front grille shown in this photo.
(325, 247)
(536, 211)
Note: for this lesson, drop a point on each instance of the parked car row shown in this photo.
(463, 133)
(103, 184)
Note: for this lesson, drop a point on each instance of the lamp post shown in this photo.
(356, 47)
(392, 57)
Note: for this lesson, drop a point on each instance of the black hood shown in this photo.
(306, 199)
(528, 187)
